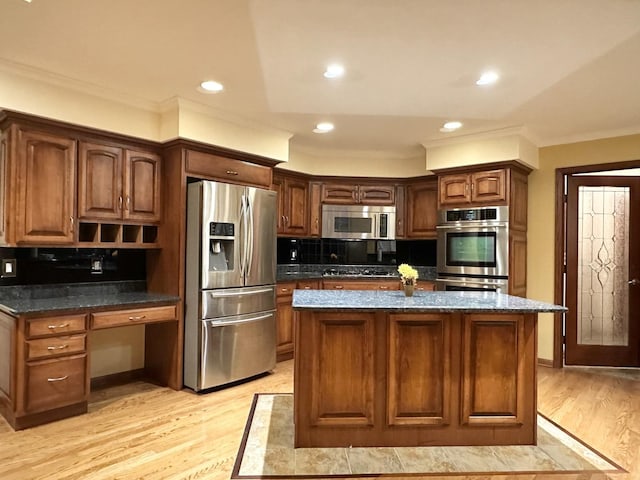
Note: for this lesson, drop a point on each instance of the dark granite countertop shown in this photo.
(31, 299)
(421, 301)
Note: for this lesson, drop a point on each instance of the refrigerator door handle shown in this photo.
(250, 235)
(222, 323)
(236, 293)
(243, 236)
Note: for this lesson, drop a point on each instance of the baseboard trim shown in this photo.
(545, 362)
(115, 379)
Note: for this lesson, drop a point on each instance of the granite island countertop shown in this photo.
(421, 301)
(31, 299)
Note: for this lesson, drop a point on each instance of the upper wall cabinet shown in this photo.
(293, 204)
(215, 167)
(349, 194)
(38, 187)
(484, 187)
(421, 209)
(118, 184)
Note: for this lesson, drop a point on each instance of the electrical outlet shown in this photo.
(8, 268)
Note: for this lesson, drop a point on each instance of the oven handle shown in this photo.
(466, 281)
(474, 226)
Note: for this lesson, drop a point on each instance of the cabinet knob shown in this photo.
(71, 222)
(232, 172)
(128, 204)
(120, 203)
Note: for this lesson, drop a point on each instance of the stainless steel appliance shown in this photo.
(473, 249)
(361, 222)
(230, 324)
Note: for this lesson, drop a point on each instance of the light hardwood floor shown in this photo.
(143, 431)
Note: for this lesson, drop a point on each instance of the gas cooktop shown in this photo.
(366, 272)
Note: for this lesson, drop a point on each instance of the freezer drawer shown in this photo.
(238, 347)
(237, 301)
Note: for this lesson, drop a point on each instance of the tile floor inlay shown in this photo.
(267, 451)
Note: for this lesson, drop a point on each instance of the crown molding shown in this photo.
(520, 130)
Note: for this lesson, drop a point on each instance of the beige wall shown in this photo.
(356, 164)
(540, 238)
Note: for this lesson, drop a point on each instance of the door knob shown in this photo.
(634, 281)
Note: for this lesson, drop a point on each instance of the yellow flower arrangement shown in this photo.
(408, 274)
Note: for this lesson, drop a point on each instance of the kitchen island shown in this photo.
(376, 368)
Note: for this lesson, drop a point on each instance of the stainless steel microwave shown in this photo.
(361, 222)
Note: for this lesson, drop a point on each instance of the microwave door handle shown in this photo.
(376, 225)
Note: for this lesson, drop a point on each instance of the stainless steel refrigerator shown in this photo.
(230, 300)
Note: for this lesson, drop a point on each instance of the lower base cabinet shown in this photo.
(44, 361)
(411, 379)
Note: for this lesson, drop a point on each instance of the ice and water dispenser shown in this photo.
(221, 246)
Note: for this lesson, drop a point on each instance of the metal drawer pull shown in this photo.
(59, 347)
(232, 172)
(62, 325)
(339, 287)
(140, 317)
(384, 287)
(57, 379)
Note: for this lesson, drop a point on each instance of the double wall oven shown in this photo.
(473, 249)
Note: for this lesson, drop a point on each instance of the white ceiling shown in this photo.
(570, 69)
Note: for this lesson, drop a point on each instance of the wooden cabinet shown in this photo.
(47, 363)
(293, 205)
(407, 379)
(285, 315)
(284, 320)
(216, 167)
(44, 360)
(349, 194)
(315, 209)
(118, 184)
(482, 187)
(38, 187)
(421, 209)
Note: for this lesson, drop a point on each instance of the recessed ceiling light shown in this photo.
(450, 126)
(487, 78)
(323, 127)
(334, 70)
(211, 86)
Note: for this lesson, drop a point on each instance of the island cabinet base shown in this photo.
(414, 379)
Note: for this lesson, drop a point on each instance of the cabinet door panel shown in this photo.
(493, 372)
(296, 194)
(46, 188)
(419, 380)
(454, 189)
(377, 194)
(99, 182)
(343, 375)
(489, 186)
(422, 210)
(142, 186)
(341, 194)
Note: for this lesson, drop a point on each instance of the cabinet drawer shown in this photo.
(62, 324)
(53, 346)
(308, 284)
(285, 289)
(227, 169)
(119, 318)
(55, 383)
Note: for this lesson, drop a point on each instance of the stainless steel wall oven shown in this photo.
(473, 249)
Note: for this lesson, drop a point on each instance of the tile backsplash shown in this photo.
(73, 265)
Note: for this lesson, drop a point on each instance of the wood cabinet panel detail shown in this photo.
(284, 320)
(293, 205)
(350, 194)
(489, 186)
(55, 325)
(361, 284)
(422, 210)
(99, 181)
(419, 370)
(46, 177)
(493, 383)
(142, 178)
(215, 167)
(52, 347)
(55, 383)
(315, 209)
(133, 316)
(343, 370)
